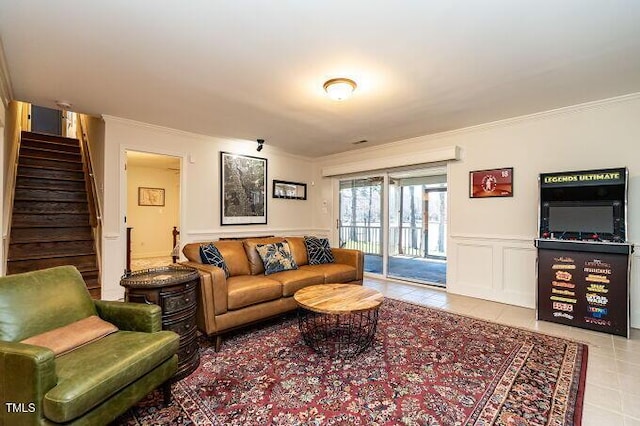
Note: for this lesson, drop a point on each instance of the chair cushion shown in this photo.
(318, 251)
(245, 290)
(64, 339)
(211, 255)
(276, 257)
(333, 272)
(92, 373)
(293, 281)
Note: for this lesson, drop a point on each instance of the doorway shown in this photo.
(411, 242)
(153, 208)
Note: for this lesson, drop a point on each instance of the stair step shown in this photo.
(30, 194)
(50, 172)
(47, 207)
(51, 220)
(55, 184)
(51, 154)
(50, 223)
(48, 138)
(50, 145)
(49, 250)
(83, 263)
(49, 163)
(33, 235)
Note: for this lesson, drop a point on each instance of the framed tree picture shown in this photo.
(243, 196)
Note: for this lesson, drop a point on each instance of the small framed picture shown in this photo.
(290, 190)
(150, 196)
(491, 183)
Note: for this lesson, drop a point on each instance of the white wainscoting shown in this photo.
(504, 270)
(499, 269)
(216, 234)
(634, 289)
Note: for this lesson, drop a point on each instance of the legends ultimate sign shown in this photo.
(586, 178)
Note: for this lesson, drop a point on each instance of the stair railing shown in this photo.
(12, 173)
(95, 208)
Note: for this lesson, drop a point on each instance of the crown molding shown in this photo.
(205, 138)
(572, 109)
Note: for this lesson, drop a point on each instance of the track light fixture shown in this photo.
(260, 145)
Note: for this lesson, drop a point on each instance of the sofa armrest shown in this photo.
(350, 257)
(27, 373)
(130, 316)
(212, 295)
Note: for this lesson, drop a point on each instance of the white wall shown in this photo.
(200, 194)
(490, 244)
(151, 235)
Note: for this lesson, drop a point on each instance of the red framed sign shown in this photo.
(491, 183)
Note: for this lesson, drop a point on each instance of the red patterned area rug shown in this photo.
(426, 367)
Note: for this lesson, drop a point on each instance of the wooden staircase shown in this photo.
(51, 223)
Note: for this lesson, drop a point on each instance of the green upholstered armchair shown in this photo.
(92, 383)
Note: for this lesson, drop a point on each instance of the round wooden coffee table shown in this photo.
(338, 319)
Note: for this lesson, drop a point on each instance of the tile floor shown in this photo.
(150, 262)
(612, 394)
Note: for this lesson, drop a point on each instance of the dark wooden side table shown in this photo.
(173, 288)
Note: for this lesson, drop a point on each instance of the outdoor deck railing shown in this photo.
(368, 239)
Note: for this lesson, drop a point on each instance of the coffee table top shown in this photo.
(338, 298)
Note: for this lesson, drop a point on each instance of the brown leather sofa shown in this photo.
(248, 295)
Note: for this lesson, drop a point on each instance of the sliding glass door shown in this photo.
(411, 243)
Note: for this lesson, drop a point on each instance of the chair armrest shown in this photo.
(27, 373)
(130, 316)
(350, 257)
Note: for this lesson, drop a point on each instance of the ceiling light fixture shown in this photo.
(260, 144)
(339, 89)
(64, 105)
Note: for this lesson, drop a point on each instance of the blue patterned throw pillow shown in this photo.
(211, 255)
(276, 257)
(318, 251)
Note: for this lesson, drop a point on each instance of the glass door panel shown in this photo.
(417, 228)
(436, 214)
(360, 219)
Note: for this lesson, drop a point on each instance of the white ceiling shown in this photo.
(251, 69)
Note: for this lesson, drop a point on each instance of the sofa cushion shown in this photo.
(255, 261)
(293, 281)
(210, 254)
(333, 272)
(318, 250)
(245, 290)
(89, 375)
(69, 337)
(233, 252)
(298, 250)
(276, 257)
